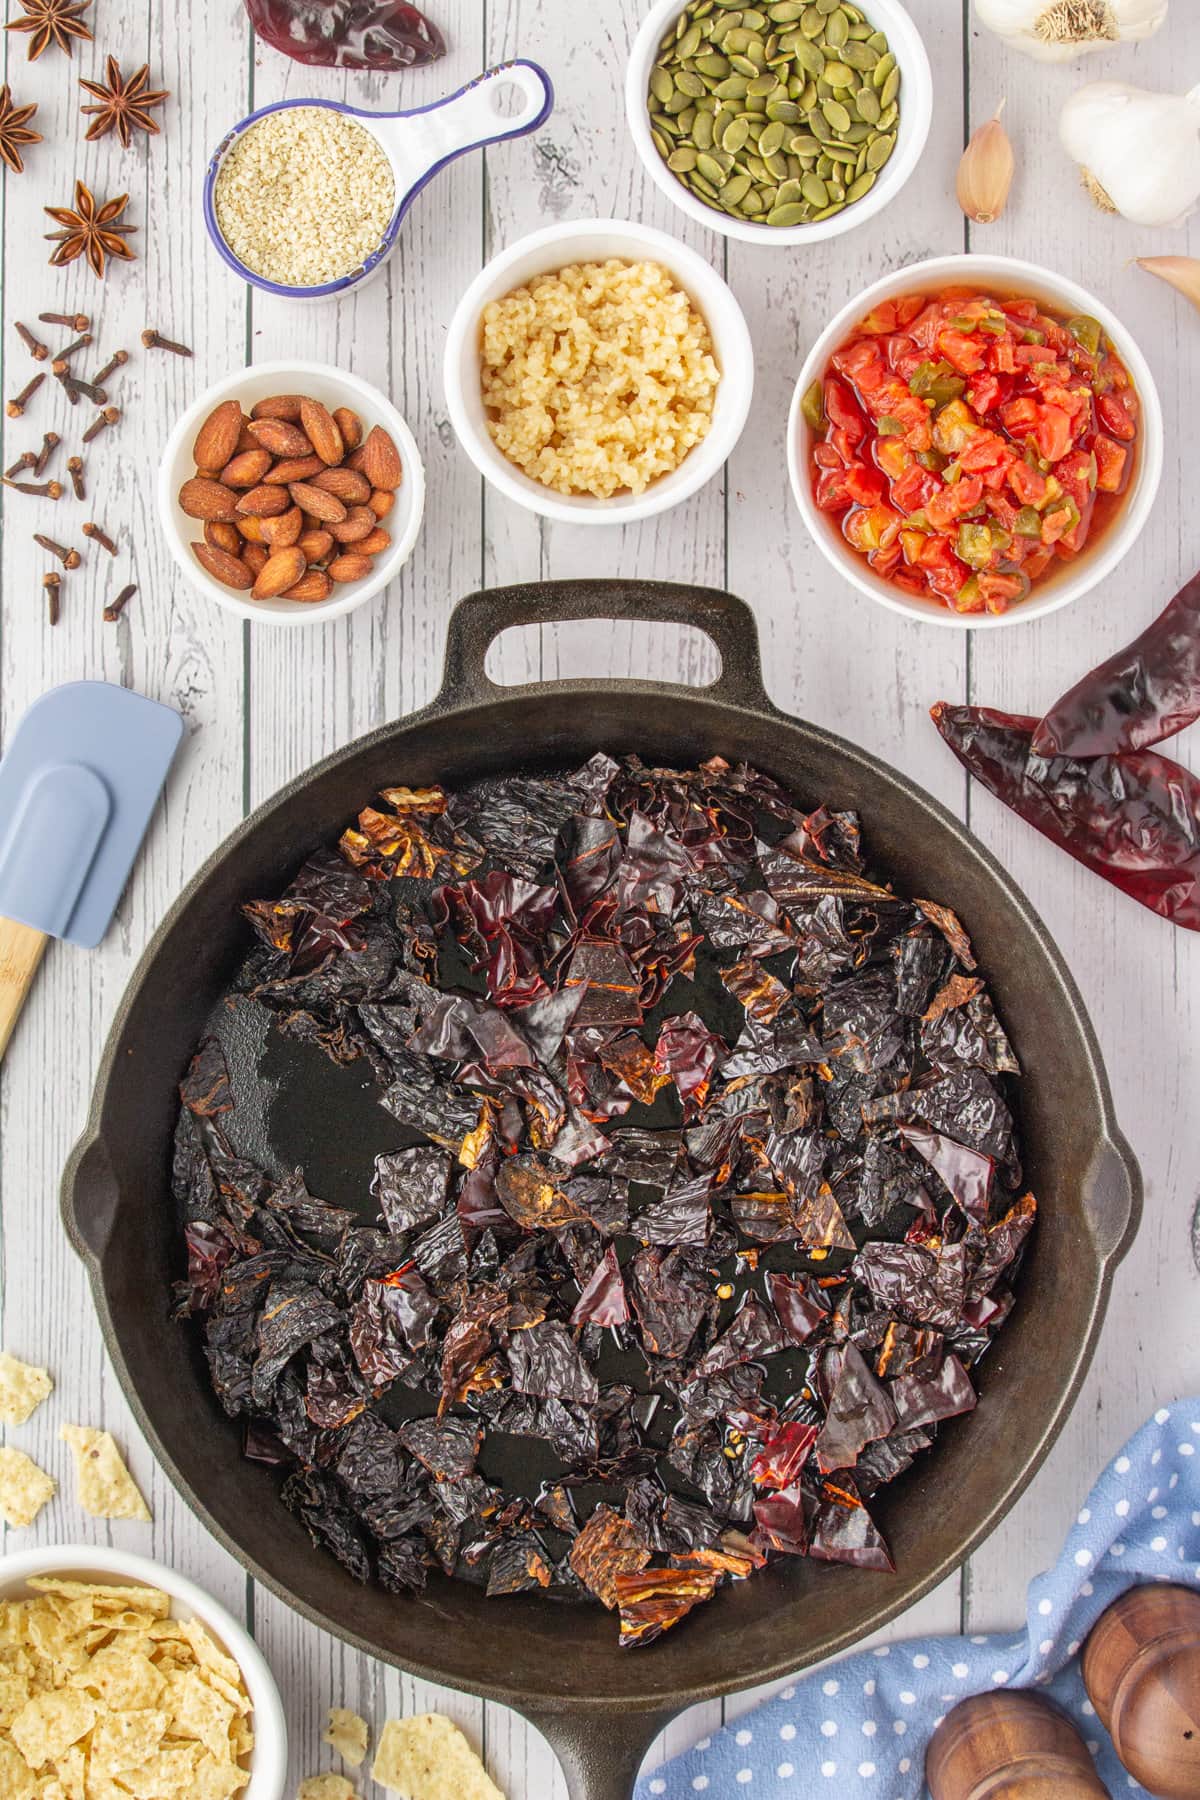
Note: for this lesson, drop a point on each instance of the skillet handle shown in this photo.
(1114, 1191)
(600, 1753)
(478, 620)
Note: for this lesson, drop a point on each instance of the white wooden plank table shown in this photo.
(261, 706)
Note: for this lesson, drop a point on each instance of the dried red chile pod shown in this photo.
(348, 34)
(1146, 692)
(1132, 818)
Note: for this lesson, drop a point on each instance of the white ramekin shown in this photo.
(1005, 276)
(916, 116)
(333, 387)
(596, 240)
(91, 1562)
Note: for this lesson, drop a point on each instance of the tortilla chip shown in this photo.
(126, 1680)
(428, 1758)
(106, 1488)
(47, 1726)
(151, 1602)
(16, 1778)
(348, 1735)
(23, 1387)
(208, 1652)
(214, 1779)
(325, 1787)
(24, 1489)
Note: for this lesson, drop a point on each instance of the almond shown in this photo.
(381, 460)
(284, 528)
(350, 426)
(254, 556)
(246, 469)
(245, 441)
(278, 406)
(231, 571)
(282, 570)
(316, 545)
(263, 502)
(251, 530)
(314, 584)
(326, 507)
(355, 460)
(282, 439)
(322, 432)
(202, 498)
(347, 484)
(349, 567)
(358, 523)
(223, 536)
(374, 542)
(217, 438)
(294, 468)
(381, 502)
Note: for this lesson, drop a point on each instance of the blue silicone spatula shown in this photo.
(78, 784)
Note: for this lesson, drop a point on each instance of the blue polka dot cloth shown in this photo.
(859, 1727)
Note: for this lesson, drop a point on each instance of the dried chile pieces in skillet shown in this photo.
(696, 1193)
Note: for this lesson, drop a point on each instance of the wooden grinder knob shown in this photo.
(1010, 1746)
(1141, 1668)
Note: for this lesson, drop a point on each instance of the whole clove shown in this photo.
(75, 471)
(93, 531)
(45, 490)
(76, 321)
(70, 559)
(50, 444)
(154, 340)
(26, 460)
(116, 361)
(74, 386)
(35, 346)
(52, 583)
(62, 360)
(101, 422)
(17, 406)
(115, 608)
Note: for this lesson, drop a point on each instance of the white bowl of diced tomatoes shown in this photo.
(975, 441)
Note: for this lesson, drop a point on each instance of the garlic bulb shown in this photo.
(1139, 151)
(1058, 30)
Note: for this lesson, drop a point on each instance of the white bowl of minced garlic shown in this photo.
(598, 372)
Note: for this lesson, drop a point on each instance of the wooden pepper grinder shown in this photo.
(1141, 1668)
(1010, 1746)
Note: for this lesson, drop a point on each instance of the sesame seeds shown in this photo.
(304, 196)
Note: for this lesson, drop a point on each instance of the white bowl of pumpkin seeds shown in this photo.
(779, 121)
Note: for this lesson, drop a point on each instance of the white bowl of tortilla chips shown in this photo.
(115, 1669)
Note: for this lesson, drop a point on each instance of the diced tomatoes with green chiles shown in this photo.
(972, 444)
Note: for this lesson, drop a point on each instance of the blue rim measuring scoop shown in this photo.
(418, 145)
(78, 785)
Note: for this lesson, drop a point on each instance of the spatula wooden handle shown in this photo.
(21, 950)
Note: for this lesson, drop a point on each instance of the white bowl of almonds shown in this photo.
(152, 1685)
(291, 492)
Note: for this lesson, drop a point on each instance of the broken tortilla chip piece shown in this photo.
(24, 1489)
(106, 1488)
(325, 1787)
(23, 1387)
(348, 1735)
(428, 1758)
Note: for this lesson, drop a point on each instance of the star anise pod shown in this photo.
(51, 22)
(14, 130)
(125, 106)
(90, 230)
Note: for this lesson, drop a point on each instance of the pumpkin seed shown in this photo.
(682, 160)
(837, 31)
(839, 75)
(882, 69)
(866, 101)
(785, 12)
(890, 88)
(836, 115)
(881, 148)
(735, 191)
(785, 111)
(771, 140)
(702, 131)
(812, 24)
(734, 133)
(790, 213)
(661, 85)
(713, 64)
(859, 56)
(861, 187)
(810, 57)
(814, 189)
(662, 144)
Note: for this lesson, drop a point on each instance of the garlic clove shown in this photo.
(1139, 151)
(1183, 273)
(1061, 30)
(986, 171)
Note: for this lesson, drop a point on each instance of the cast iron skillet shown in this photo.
(557, 1663)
